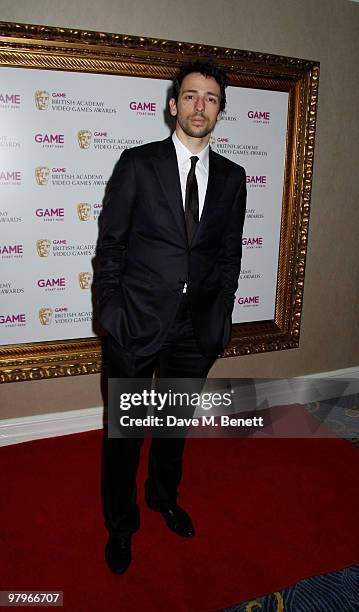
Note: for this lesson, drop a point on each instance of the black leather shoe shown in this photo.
(118, 553)
(177, 520)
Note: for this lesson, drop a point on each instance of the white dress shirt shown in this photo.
(184, 164)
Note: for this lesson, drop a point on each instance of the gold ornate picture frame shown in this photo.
(35, 47)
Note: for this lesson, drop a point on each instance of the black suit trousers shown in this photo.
(179, 357)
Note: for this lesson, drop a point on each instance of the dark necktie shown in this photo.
(192, 200)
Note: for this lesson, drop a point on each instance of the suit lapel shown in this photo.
(166, 168)
(217, 176)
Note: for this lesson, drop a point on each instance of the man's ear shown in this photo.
(219, 116)
(173, 107)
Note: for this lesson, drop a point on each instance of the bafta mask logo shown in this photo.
(84, 138)
(42, 174)
(45, 316)
(84, 211)
(212, 141)
(43, 247)
(85, 279)
(41, 99)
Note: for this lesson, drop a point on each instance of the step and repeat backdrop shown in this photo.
(60, 136)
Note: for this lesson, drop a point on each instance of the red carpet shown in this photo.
(268, 513)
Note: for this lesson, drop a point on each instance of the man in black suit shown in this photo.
(166, 272)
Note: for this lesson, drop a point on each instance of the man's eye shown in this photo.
(189, 97)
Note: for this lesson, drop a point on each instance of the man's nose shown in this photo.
(200, 103)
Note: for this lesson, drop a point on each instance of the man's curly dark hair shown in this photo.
(207, 69)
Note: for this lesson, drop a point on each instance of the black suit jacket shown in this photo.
(143, 257)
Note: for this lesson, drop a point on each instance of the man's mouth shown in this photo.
(198, 119)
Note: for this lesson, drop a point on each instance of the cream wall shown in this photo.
(324, 30)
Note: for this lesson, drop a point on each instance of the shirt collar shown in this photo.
(183, 154)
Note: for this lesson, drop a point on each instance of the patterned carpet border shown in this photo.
(334, 592)
(341, 414)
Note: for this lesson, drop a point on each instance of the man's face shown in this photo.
(197, 107)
